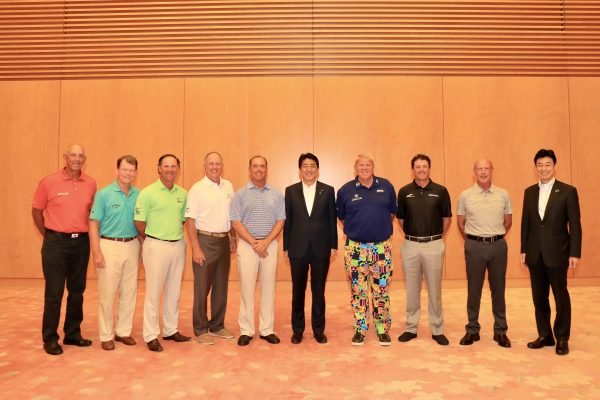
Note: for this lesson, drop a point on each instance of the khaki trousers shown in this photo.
(119, 275)
(164, 263)
(251, 266)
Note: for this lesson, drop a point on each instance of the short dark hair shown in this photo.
(257, 156)
(542, 153)
(169, 155)
(309, 156)
(129, 159)
(420, 157)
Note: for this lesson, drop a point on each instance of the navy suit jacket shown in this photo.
(558, 235)
(319, 230)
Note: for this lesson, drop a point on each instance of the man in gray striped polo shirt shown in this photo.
(257, 214)
(484, 217)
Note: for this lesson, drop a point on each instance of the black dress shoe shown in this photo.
(442, 340)
(154, 345)
(77, 341)
(562, 347)
(469, 338)
(272, 338)
(177, 337)
(244, 340)
(297, 337)
(320, 338)
(53, 348)
(541, 342)
(406, 336)
(502, 339)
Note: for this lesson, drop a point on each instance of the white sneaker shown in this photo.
(204, 339)
(223, 333)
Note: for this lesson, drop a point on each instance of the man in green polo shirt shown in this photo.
(159, 218)
(116, 253)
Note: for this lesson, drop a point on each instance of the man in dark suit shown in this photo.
(550, 245)
(309, 239)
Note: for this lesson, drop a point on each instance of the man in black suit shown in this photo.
(550, 245)
(309, 239)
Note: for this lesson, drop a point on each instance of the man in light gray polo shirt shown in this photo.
(257, 214)
(484, 217)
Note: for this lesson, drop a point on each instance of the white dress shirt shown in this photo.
(309, 195)
(545, 190)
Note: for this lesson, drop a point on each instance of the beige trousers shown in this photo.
(251, 266)
(163, 263)
(120, 276)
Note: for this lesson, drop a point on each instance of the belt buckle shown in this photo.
(488, 239)
(74, 235)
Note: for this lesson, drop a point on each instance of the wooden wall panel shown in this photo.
(584, 106)
(507, 121)
(243, 117)
(390, 118)
(116, 117)
(29, 118)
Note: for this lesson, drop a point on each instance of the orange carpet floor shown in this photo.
(417, 370)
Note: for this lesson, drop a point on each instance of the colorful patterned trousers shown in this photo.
(369, 266)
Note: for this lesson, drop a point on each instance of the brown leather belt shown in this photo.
(213, 234)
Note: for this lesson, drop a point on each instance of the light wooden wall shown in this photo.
(453, 119)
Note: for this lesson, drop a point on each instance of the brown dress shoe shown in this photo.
(108, 345)
(127, 340)
(178, 337)
(154, 345)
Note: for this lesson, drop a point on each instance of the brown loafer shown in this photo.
(154, 345)
(177, 337)
(108, 345)
(127, 340)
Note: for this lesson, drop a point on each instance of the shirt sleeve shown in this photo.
(98, 208)
(507, 204)
(339, 204)
(191, 209)
(141, 207)
(280, 206)
(235, 209)
(40, 198)
(184, 208)
(461, 205)
(401, 214)
(393, 200)
(446, 204)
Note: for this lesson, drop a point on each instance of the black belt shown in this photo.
(164, 240)
(485, 239)
(423, 239)
(69, 235)
(127, 239)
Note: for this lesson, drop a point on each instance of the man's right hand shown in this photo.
(99, 260)
(198, 256)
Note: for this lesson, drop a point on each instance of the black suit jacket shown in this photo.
(319, 230)
(558, 235)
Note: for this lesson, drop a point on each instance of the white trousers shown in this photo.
(163, 263)
(119, 275)
(251, 266)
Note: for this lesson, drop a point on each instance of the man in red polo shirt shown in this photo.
(61, 209)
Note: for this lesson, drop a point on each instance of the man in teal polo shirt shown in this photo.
(159, 218)
(116, 253)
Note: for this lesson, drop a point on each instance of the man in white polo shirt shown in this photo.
(212, 240)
